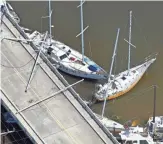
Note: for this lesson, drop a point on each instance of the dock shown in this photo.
(50, 111)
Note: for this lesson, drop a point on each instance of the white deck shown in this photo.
(158, 123)
(123, 81)
(71, 66)
(133, 134)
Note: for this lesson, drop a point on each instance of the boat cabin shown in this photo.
(135, 139)
(158, 124)
(135, 135)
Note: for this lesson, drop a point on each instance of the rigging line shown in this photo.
(141, 31)
(17, 66)
(115, 65)
(124, 31)
(122, 63)
(90, 49)
(55, 44)
(141, 92)
(50, 112)
(159, 88)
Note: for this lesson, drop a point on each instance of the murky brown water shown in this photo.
(104, 18)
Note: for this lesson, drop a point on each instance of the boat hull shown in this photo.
(141, 70)
(71, 63)
(125, 91)
(120, 93)
(81, 74)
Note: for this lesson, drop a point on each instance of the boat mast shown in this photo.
(154, 110)
(50, 19)
(113, 57)
(82, 30)
(82, 36)
(129, 46)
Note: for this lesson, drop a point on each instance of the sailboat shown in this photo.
(108, 123)
(135, 135)
(67, 59)
(121, 83)
(111, 125)
(158, 124)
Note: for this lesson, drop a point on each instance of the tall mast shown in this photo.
(50, 19)
(34, 66)
(82, 30)
(114, 54)
(82, 36)
(154, 109)
(129, 46)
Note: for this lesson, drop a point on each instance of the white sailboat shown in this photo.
(124, 81)
(65, 58)
(134, 135)
(110, 124)
(157, 125)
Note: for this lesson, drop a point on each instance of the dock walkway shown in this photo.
(62, 119)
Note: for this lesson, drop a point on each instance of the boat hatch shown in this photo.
(143, 142)
(63, 56)
(123, 78)
(68, 53)
(131, 142)
(134, 71)
(49, 50)
(92, 68)
(114, 86)
(136, 142)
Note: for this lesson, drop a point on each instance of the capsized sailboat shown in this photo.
(123, 82)
(67, 59)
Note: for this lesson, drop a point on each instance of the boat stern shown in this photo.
(100, 95)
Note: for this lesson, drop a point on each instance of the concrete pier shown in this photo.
(62, 119)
